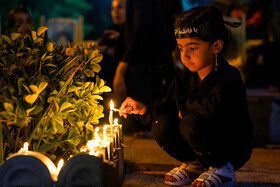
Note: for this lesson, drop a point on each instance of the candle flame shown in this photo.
(115, 121)
(92, 143)
(25, 146)
(83, 149)
(111, 105)
(96, 153)
(91, 152)
(59, 165)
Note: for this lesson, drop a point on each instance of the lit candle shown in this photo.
(25, 146)
(104, 132)
(111, 115)
(116, 121)
(24, 149)
(91, 145)
(116, 130)
(59, 166)
(106, 147)
(96, 136)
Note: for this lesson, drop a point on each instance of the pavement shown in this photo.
(146, 164)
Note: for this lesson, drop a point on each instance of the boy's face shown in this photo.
(23, 19)
(118, 11)
(196, 55)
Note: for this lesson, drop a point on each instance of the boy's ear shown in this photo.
(217, 46)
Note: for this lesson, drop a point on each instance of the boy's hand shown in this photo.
(132, 106)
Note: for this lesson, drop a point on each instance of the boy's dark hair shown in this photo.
(14, 11)
(208, 20)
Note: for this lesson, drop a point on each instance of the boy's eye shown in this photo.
(192, 48)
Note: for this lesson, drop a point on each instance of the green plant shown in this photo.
(46, 98)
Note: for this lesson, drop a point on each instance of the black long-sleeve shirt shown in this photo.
(218, 103)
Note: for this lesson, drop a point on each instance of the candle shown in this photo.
(111, 115)
(59, 166)
(105, 145)
(96, 136)
(116, 121)
(118, 131)
(92, 145)
(104, 132)
(25, 146)
(24, 149)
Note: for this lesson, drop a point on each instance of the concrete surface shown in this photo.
(146, 164)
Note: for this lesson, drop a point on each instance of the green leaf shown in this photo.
(6, 115)
(9, 107)
(105, 89)
(34, 89)
(47, 147)
(29, 110)
(47, 58)
(37, 110)
(74, 136)
(50, 65)
(6, 38)
(35, 51)
(80, 123)
(89, 127)
(73, 88)
(86, 84)
(20, 54)
(49, 46)
(57, 123)
(95, 97)
(98, 58)
(56, 104)
(42, 86)
(31, 98)
(41, 30)
(14, 36)
(38, 40)
(27, 89)
(34, 35)
(95, 67)
(65, 105)
(91, 54)
(89, 73)
(13, 66)
(42, 58)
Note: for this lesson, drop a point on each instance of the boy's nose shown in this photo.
(186, 55)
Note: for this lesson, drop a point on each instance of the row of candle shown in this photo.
(111, 141)
(97, 147)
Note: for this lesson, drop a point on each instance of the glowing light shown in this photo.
(111, 105)
(59, 166)
(25, 146)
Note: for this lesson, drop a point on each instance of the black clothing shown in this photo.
(112, 50)
(265, 74)
(216, 126)
(149, 41)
